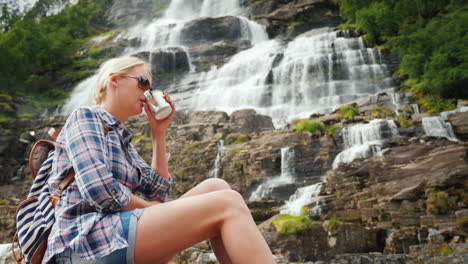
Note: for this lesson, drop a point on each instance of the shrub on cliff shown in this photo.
(347, 112)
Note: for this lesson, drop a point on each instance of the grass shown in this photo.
(311, 126)
(236, 138)
(234, 151)
(332, 130)
(288, 224)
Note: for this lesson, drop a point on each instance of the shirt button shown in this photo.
(113, 191)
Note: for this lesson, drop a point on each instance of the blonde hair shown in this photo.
(117, 66)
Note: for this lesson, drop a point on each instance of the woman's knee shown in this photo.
(216, 184)
(233, 202)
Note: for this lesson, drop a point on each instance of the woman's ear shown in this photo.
(112, 80)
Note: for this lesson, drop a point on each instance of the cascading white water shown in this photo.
(82, 95)
(286, 177)
(365, 140)
(318, 71)
(166, 32)
(302, 197)
(436, 126)
(190, 10)
(215, 173)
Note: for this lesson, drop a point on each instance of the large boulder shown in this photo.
(124, 13)
(460, 124)
(248, 121)
(211, 29)
(207, 55)
(291, 18)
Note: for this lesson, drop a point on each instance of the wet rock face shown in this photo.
(290, 18)
(211, 30)
(124, 13)
(248, 121)
(460, 124)
(321, 243)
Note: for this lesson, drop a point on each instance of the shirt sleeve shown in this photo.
(86, 147)
(152, 185)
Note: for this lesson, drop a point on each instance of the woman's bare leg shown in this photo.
(206, 186)
(165, 229)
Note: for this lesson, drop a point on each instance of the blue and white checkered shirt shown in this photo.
(108, 171)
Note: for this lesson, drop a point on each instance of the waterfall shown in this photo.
(317, 71)
(302, 197)
(436, 126)
(81, 95)
(165, 32)
(286, 177)
(365, 140)
(217, 170)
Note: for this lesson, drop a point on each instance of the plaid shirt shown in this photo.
(108, 171)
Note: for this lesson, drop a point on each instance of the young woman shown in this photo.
(99, 219)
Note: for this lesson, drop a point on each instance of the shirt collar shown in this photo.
(113, 121)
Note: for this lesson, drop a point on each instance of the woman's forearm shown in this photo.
(135, 203)
(159, 161)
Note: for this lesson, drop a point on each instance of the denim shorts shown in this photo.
(129, 221)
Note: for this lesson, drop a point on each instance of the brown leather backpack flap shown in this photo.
(38, 155)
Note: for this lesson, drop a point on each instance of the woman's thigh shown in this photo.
(206, 186)
(165, 229)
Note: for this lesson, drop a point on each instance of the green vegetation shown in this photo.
(191, 148)
(384, 217)
(311, 126)
(444, 248)
(347, 112)
(380, 112)
(364, 197)
(357, 187)
(437, 202)
(236, 138)
(259, 2)
(36, 50)
(288, 224)
(430, 37)
(347, 27)
(234, 151)
(3, 202)
(331, 130)
(333, 224)
(403, 121)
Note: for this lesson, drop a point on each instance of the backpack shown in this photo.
(35, 215)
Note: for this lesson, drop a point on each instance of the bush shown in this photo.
(347, 112)
(311, 126)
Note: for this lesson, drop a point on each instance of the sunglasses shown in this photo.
(143, 82)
